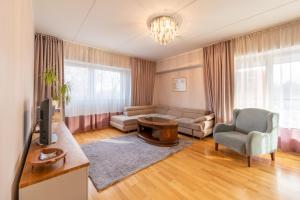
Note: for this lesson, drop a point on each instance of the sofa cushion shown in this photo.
(123, 127)
(185, 130)
(126, 120)
(162, 116)
(185, 122)
(233, 140)
(188, 123)
(198, 126)
(161, 109)
(155, 115)
(168, 116)
(252, 119)
(194, 110)
(174, 112)
(123, 119)
(191, 115)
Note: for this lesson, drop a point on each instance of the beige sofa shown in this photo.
(190, 121)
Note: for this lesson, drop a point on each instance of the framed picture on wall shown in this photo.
(179, 84)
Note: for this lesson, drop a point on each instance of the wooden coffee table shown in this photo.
(158, 131)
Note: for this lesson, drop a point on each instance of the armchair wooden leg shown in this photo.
(273, 156)
(216, 146)
(249, 160)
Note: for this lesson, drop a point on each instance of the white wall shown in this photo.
(188, 65)
(16, 88)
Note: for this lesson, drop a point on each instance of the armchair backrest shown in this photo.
(251, 119)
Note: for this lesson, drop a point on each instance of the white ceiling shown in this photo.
(120, 25)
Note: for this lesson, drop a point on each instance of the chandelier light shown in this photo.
(164, 29)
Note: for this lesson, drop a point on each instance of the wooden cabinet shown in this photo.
(59, 181)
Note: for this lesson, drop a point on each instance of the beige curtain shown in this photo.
(279, 37)
(48, 55)
(142, 81)
(219, 79)
(77, 52)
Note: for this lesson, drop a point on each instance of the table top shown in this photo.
(157, 121)
(75, 158)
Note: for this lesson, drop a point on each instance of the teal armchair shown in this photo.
(252, 132)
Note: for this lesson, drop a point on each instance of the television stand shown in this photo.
(60, 182)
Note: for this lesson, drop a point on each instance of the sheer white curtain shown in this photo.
(267, 75)
(270, 80)
(96, 89)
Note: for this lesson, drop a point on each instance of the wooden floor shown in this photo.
(199, 172)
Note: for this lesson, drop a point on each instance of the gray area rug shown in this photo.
(114, 159)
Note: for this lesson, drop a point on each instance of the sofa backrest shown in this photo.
(175, 111)
(167, 110)
(193, 113)
(252, 119)
(161, 109)
(181, 112)
(138, 110)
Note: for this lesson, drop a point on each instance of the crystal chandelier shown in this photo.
(164, 29)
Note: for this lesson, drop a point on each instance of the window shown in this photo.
(270, 80)
(96, 89)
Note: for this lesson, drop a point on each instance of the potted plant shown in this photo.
(62, 92)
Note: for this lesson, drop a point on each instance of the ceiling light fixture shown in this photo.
(163, 29)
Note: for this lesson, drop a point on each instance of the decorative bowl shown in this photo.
(47, 156)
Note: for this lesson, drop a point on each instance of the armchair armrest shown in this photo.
(204, 118)
(256, 135)
(227, 127)
(223, 128)
(260, 143)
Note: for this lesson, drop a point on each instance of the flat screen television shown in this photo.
(45, 122)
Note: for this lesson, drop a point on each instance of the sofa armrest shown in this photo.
(223, 128)
(204, 118)
(209, 124)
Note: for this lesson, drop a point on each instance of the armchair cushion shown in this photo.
(232, 139)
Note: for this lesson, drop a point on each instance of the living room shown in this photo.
(170, 99)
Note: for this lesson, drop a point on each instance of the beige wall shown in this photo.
(16, 88)
(188, 65)
(181, 61)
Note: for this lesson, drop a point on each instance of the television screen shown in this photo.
(46, 111)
